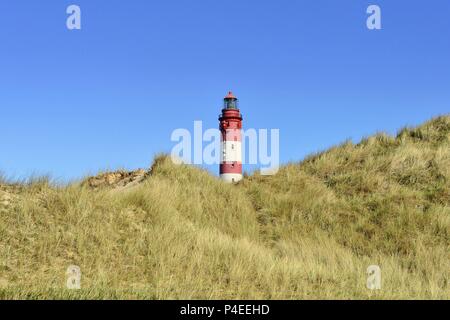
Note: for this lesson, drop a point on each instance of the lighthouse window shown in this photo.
(230, 104)
(232, 147)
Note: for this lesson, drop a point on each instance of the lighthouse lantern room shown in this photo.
(231, 147)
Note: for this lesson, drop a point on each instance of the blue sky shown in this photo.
(110, 95)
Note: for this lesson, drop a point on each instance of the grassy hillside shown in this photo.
(308, 232)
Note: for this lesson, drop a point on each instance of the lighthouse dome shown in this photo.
(230, 101)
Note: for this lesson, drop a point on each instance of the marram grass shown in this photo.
(309, 232)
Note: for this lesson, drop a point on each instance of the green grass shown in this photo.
(309, 232)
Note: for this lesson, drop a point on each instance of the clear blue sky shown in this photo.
(109, 95)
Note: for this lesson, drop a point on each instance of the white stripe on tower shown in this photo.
(231, 151)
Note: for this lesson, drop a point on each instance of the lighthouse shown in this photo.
(231, 150)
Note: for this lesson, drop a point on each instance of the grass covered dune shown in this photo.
(309, 232)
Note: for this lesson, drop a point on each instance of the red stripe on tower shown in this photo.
(231, 146)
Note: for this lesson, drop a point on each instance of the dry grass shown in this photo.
(308, 232)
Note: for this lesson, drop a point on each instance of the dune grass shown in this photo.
(309, 232)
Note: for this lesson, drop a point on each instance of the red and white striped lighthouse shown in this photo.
(230, 127)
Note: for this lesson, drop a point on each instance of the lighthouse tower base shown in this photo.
(231, 177)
